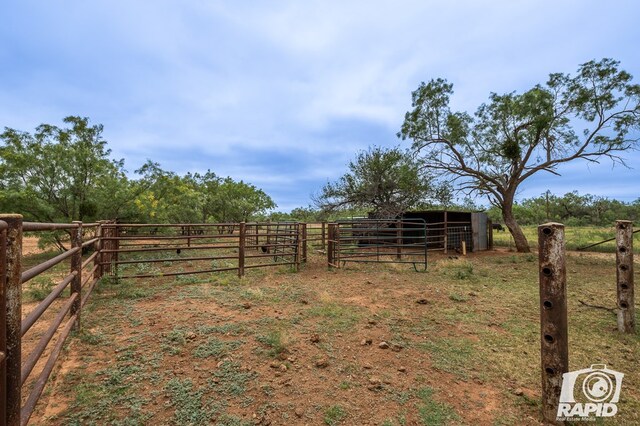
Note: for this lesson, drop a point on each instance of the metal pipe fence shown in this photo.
(21, 350)
(378, 241)
(209, 248)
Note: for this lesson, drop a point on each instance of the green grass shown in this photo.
(277, 342)
(432, 413)
(477, 332)
(189, 402)
(39, 288)
(335, 317)
(334, 415)
(216, 348)
(575, 237)
(450, 354)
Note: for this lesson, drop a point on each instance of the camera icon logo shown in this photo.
(600, 388)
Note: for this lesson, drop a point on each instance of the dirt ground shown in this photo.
(365, 345)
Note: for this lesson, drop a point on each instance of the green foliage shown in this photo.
(39, 288)
(334, 415)
(384, 181)
(216, 348)
(514, 136)
(572, 209)
(276, 341)
(434, 413)
(191, 406)
(66, 174)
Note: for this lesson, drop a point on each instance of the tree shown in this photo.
(514, 136)
(386, 181)
(59, 174)
(240, 201)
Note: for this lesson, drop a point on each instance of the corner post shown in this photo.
(13, 295)
(76, 266)
(624, 276)
(304, 241)
(241, 244)
(554, 343)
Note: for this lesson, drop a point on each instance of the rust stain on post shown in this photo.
(304, 241)
(76, 266)
(13, 294)
(624, 276)
(554, 349)
(241, 246)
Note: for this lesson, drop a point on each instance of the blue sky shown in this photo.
(282, 94)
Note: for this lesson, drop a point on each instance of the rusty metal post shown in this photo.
(241, 244)
(3, 328)
(304, 241)
(331, 245)
(97, 247)
(116, 247)
(446, 233)
(13, 294)
(76, 266)
(268, 236)
(554, 349)
(490, 234)
(624, 276)
(188, 235)
(399, 239)
(323, 232)
(257, 236)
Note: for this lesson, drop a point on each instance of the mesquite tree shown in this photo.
(593, 115)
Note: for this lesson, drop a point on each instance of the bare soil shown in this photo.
(366, 345)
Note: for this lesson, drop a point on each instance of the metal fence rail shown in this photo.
(216, 247)
(17, 367)
(378, 241)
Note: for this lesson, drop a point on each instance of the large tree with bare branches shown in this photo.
(593, 115)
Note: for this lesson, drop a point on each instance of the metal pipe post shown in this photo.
(554, 349)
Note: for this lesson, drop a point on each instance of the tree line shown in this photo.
(62, 174)
(571, 209)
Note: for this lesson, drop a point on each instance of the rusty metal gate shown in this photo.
(378, 241)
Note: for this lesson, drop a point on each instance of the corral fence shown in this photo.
(379, 241)
(206, 247)
(441, 236)
(32, 341)
(56, 315)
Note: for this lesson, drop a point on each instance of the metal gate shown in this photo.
(378, 241)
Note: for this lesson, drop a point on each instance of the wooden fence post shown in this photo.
(624, 276)
(13, 334)
(76, 266)
(554, 346)
(241, 244)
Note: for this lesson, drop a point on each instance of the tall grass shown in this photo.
(575, 236)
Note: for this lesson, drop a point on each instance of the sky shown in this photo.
(282, 94)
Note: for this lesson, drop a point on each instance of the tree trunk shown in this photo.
(522, 245)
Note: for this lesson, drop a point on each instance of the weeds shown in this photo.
(39, 288)
(191, 408)
(277, 342)
(334, 415)
(432, 413)
(216, 348)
